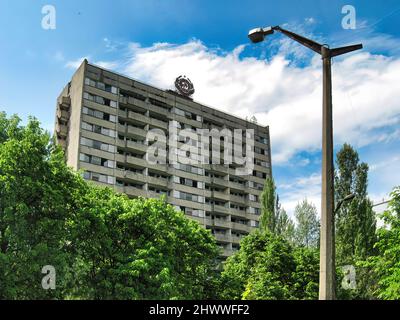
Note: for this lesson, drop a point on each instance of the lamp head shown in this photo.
(258, 34)
(349, 197)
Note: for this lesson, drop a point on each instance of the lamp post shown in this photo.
(327, 242)
(345, 199)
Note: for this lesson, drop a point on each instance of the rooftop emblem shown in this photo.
(184, 86)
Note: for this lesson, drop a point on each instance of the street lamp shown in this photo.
(345, 199)
(327, 244)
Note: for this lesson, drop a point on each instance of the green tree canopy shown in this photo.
(355, 221)
(307, 224)
(386, 264)
(268, 267)
(274, 218)
(102, 244)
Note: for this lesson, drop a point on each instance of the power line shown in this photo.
(381, 203)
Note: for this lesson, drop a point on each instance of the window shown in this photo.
(260, 162)
(260, 151)
(188, 196)
(188, 182)
(192, 212)
(97, 160)
(101, 86)
(259, 174)
(98, 129)
(88, 175)
(188, 168)
(97, 145)
(186, 114)
(253, 198)
(256, 211)
(157, 175)
(237, 207)
(100, 100)
(99, 114)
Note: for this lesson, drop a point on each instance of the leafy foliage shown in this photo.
(355, 221)
(102, 244)
(269, 267)
(386, 265)
(274, 218)
(307, 229)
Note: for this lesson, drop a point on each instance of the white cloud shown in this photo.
(281, 95)
(308, 187)
(285, 96)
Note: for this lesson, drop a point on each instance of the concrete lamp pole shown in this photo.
(327, 242)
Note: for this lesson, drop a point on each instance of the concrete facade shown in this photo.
(102, 121)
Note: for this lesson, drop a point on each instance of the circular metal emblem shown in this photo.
(184, 86)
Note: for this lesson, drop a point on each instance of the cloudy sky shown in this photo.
(277, 81)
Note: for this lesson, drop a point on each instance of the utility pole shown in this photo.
(327, 242)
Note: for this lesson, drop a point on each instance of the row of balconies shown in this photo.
(226, 238)
(144, 106)
(143, 119)
(221, 223)
(147, 105)
(139, 177)
(63, 115)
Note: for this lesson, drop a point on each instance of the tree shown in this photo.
(269, 267)
(103, 245)
(385, 265)
(268, 219)
(35, 204)
(306, 275)
(355, 221)
(271, 277)
(273, 217)
(285, 226)
(307, 224)
(141, 249)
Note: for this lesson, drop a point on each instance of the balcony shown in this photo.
(222, 237)
(63, 114)
(216, 181)
(62, 130)
(62, 143)
(221, 209)
(227, 252)
(221, 223)
(236, 186)
(65, 103)
(138, 117)
(238, 213)
(241, 227)
(237, 199)
(220, 195)
(132, 146)
(133, 192)
(137, 132)
(157, 181)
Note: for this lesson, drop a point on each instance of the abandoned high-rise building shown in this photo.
(102, 121)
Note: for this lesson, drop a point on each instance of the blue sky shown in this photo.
(278, 81)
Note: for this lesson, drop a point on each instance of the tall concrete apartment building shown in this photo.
(102, 120)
